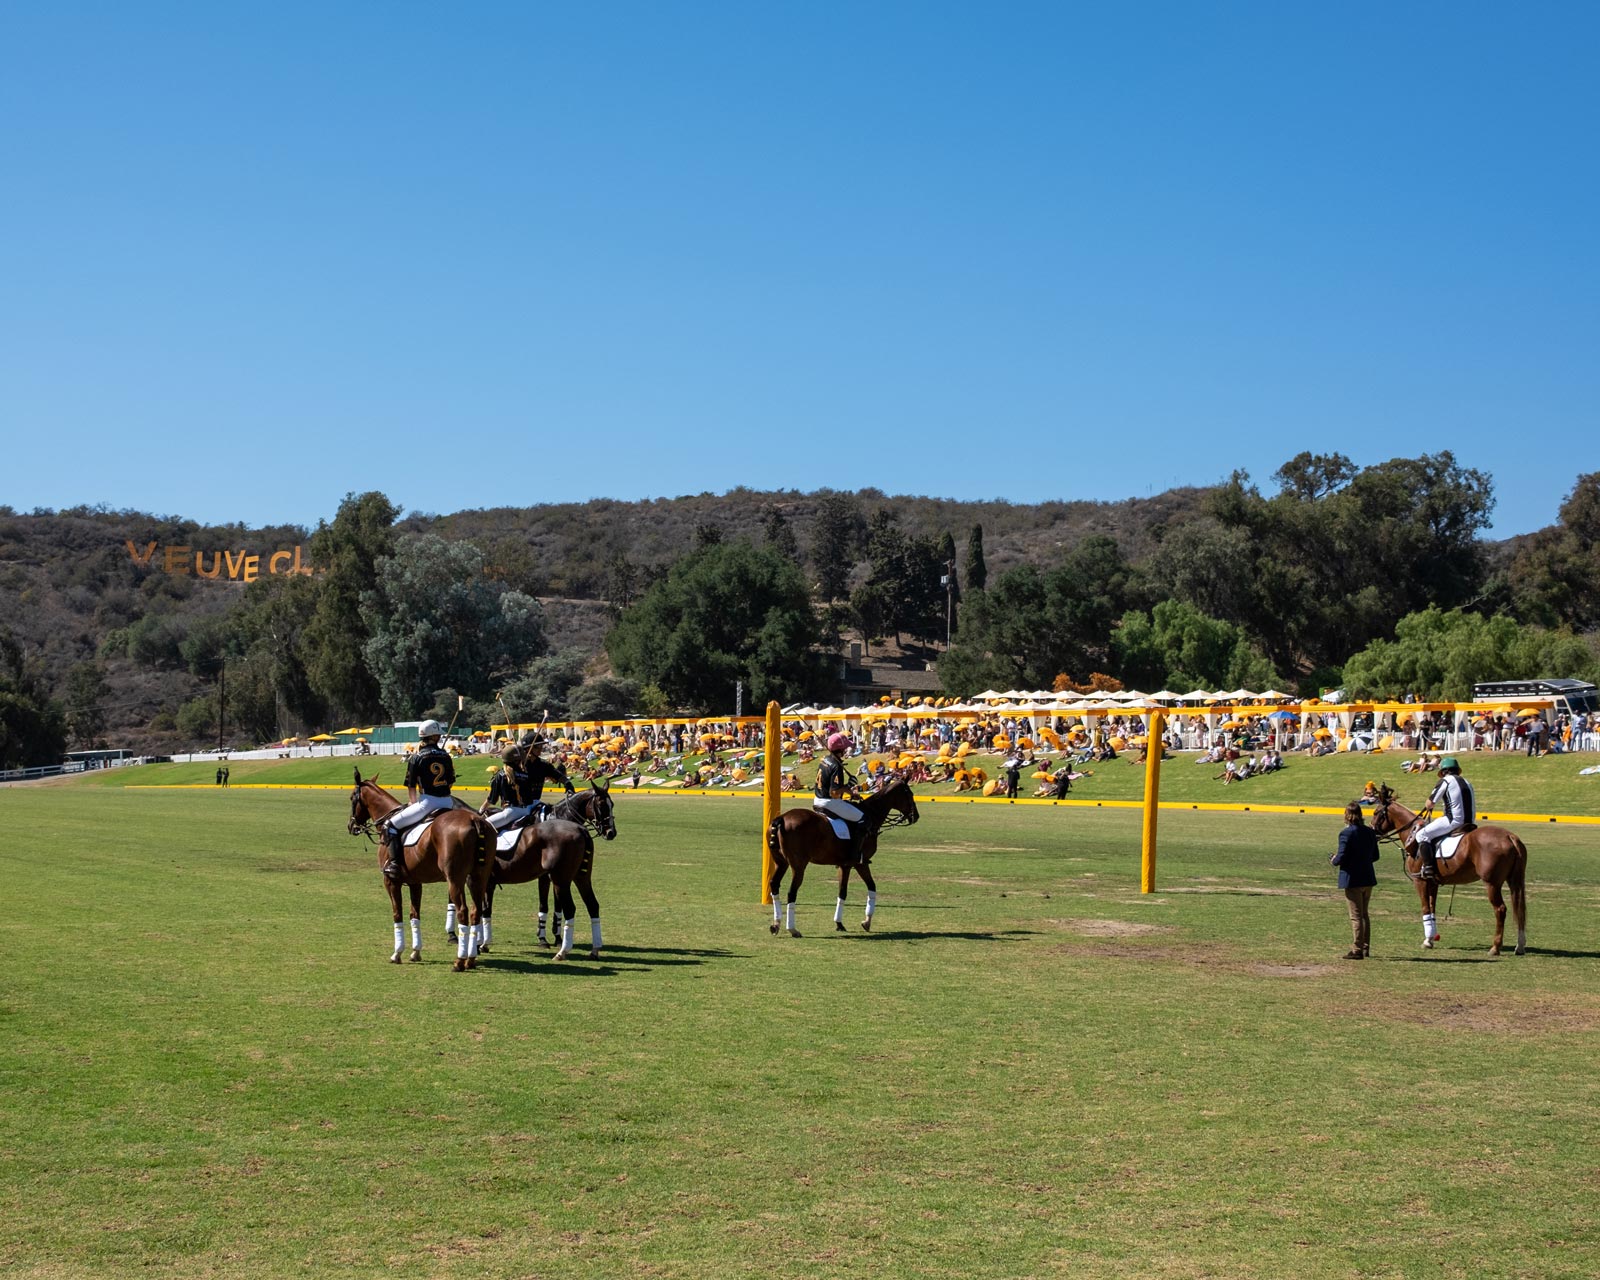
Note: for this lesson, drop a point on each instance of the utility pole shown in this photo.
(222, 699)
(948, 582)
(738, 697)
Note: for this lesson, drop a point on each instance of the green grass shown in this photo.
(1028, 1069)
(1506, 782)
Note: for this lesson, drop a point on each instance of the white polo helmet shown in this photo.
(430, 729)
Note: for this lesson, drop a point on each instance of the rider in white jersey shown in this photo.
(1454, 795)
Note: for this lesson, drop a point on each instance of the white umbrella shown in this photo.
(1197, 695)
(1166, 695)
(1277, 695)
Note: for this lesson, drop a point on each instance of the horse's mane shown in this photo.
(882, 797)
(382, 791)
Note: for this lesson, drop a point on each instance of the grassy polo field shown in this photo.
(1026, 1069)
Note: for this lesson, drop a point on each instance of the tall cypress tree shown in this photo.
(975, 571)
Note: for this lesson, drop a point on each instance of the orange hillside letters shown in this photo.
(242, 565)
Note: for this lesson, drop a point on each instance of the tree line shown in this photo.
(1376, 578)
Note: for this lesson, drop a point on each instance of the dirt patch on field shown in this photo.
(1109, 928)
(307, 866)
(1290, 970)
(1502, 1015)
(962, 848)
(1196, 954)
(1250, 890)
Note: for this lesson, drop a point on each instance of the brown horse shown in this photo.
(552, 848)
(801, 837)
(1491, 854)
(592, 809)
(457, 848)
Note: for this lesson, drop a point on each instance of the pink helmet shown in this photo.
(838, 742)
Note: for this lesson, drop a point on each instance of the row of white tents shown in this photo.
(1050, 702)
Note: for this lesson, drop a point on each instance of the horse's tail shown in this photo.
(773, 843)
(484, 838)
(1517, 883)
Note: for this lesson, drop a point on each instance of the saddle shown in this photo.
(1448, 844)
(507, 840)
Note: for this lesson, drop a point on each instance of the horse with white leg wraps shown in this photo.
(800, 837)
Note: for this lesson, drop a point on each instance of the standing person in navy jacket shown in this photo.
(1356, 859)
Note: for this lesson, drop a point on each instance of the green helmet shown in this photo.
(1449, 762)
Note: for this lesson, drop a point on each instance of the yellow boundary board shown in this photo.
(755, 794)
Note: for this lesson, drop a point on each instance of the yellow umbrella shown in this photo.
(1527, 713)
(1322, 733)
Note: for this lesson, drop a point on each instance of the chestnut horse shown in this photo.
(1489, 853)
(457, 848)
(800, 837)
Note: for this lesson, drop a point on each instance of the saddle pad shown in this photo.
(507, 840)
(1447, 847)
(840, 827)
(413, 834)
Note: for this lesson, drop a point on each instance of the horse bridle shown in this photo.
(1397, 835)
(598, 816)
(368, 827)
(898, 817)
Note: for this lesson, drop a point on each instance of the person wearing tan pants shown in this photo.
(1356, 859)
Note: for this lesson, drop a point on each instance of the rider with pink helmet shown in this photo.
(831, 778)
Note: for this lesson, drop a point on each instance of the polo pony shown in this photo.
(800, 837)
(1488, 853)
(456, 847)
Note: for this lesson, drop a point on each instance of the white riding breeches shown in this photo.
(1436, 830)
(838, 809)
(412, 814)
(510, 814)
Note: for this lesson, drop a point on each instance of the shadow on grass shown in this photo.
(613, 960)
(942, 935)
(1486, 958)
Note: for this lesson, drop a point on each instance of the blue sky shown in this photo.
(258, 256)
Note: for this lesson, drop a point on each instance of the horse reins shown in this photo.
(591, 819)
(1396, 835)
